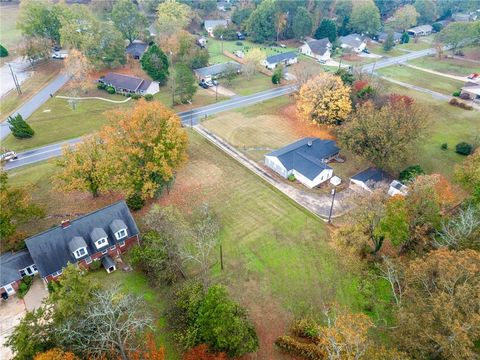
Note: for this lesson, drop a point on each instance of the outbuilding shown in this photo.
(369, 179)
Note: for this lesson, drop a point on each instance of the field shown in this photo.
(447, 66)
(377, 48)
(421, 78)
(242, 85)
(9, 34)
(278, 262)
(422, 43)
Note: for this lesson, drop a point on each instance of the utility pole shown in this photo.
(331, 206)
(15, 80)
(216, 91)
(221, 257)
(221, 38)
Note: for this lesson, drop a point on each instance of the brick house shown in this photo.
(13, 267)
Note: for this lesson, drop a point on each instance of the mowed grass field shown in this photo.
(447, 66)
(277, 257)
(423, 79)
(243, 85)
(9, 34)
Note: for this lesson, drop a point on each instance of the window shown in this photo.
(80, 252)
(112, 248)
(88, 260)
(121, 234)
(104, 251)
(101, 242)
(35, 267)
(122, 244)
(58, 273)
(22, 273)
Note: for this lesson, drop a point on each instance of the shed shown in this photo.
(369, 179)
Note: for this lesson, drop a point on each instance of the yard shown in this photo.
(377, 48)
(243, 85)
(421, 78)
(9, 34)
(447, 66)
(422, 43)
(278, 262)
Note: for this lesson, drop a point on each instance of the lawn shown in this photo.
(9, 34)
(242, 85)
(422, 44)
(447, 66)
(43, 73)
(377, 48)
(421, 78)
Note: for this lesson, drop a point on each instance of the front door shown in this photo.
(10, 290)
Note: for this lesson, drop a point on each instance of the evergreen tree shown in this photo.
(183, 84)
(3, 51)
(19, 127)
(327, 29)
(302, 23)
(389, 42)
(261, 24)
(405, 38)
(155, 63)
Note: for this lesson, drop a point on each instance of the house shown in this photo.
(216, 71)
(369, 179)
(136, 49)
(354, 42)
(98, 236)
(318, 49)
(421, 30)
(126, 84)
(211, 25)
(286, 59)
(464, 17)
(397, 37)
(472, 90)
(306, 159)
(397, 188)
(13, 267)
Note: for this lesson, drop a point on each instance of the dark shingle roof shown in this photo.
(383, 36)
(10, 265)
(216, 69)
(306, 155)
(117, 225)
(273, 59)
(353, 40)
(49, 249)
(136, 49)
(319, 46)
(107, 262)
(215, 23)
(97, 234)
(130, 83)
(371, 176)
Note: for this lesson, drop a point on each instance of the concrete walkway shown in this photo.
(319, 204)
(36, 294)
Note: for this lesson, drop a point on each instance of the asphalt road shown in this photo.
(397, 59)
(190, 117)
(35, 102)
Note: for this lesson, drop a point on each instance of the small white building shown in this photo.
(286, 59)
(354, 42)
(369, 179)
(305, 159)
(472, 90)
(397, 188)
(211, 25)
(318, 49)
(421, 30)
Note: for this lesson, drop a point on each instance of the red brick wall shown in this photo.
(15, 285)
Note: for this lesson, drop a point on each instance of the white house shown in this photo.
(369, 179)
(397, 188)
(286, 59)
(318, 49)
(211, 25)
(306, 159)
(421, 30)
(354, 42)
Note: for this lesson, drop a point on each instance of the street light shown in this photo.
(331, 206)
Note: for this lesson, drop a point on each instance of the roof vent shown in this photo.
(310, 143)
(65, 223)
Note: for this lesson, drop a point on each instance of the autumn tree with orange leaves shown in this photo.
(200, 352)
(56, 354)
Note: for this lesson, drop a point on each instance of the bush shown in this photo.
(135, 202)
(456, 93)
(110, 89)
(436, 26)
(460, 104)
(306, 328)
(19, 127)
(24, 286)
(291, 177)
(276, 77)
(239, 43)
(444, 146)
(410, 173)
(463, 148)
(136, 96)
(95, 265)
(3, 51)
(305, 350)
(101, 86)
(148, 97)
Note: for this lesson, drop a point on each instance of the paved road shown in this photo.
(397, 59)
(190, 117)
(35, 102)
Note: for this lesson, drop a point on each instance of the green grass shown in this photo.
(9, 34)
(378, 49)
(421, 78)
(242, 85)
(448, 66)
(423, 43)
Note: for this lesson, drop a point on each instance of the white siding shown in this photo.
(275, 164)
(153, 88)
(322, 177)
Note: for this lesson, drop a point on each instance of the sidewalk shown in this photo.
(315, 203)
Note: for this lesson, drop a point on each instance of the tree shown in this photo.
(241, 15)
(365, 17)
(386, 136)
(128, 20)
(252, 61)
(3, 51)
(230, 72)
(389, 42)
(112, 324)
(302, 23)
(145, 146)
(458, 34)
(172, 16)
(261, 24)
(84, 167)
(394, 225)
(19, 127)
(277, 75)
(343, 12)
(226, 33)
(403, 18)
(34, 48)
(183, 84)
(405, 38)
(55, 354)
(468, 174)
(347, 76)
(155, 63)
(410, 173)
(427, 10)
(16, 209)
(440, 317)
(324, 100)
(462, 231)
(77, 66)
(393, 271)
(151, 352)
(327, 29)
(40, 19)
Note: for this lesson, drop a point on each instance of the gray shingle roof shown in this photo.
(217, 69)
(215, 23)
(319, 46)
(49, 249)
(76, 243)
(383, 36)
(117, 225)
(97, 234)
(10, 265)
(130, 83)
(107, 262)
(371, 176)
(306, 156)
(136, 49)
(352, 40)
(274, 59)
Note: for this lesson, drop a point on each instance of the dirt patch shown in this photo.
(472, 53)
(302, 128)
(352, 57)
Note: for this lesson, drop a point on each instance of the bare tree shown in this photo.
(392, 271)
(303, 72)
(109, 326)
(461, 231)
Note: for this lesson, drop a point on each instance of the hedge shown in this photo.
(297, 348)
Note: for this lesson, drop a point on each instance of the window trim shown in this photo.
(104, 251)
(87, 260)
(117, 234)
(122, 244)
(112, 248)
(77, 254)
(103, 241)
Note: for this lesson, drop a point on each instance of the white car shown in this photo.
(8, 156)
(59, 56)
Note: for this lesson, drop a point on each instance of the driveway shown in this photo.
(37, 293)
(222, 90)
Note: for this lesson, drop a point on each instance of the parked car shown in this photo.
(59, 56)
(8, 156)
(473, 76)
(203, 84)
(56, 48)
(366, 51)
(239, 54)
(240, 36)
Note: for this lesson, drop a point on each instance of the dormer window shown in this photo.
(78, 247)
(121, 234)
(80, 252)
(101, 242)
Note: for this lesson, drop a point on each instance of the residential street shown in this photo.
(398, 59)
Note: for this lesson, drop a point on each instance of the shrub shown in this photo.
(444, 146)
(110, 89)
(239, 43)
(3, 51)
(306, 328)
(24, 286)
(276, 77)
(155, 63)
(136, 96)
(19, 127)
(411, 173)
(463, 148)
(436, 26)
(148, 97)
(135, 202)
(304, 350)
(456, 93)
(291, 177)
(101, 86)
(460, 104)
(95, 265)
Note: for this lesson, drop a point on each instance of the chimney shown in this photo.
(65, 223)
